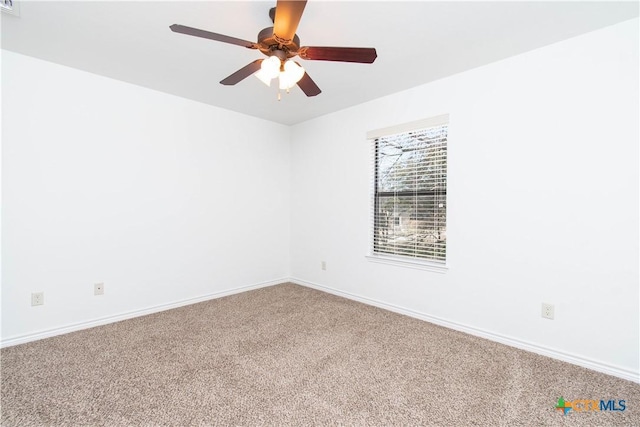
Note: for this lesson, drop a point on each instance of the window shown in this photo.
(409, 197)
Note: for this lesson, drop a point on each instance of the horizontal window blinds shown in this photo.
(410, 191)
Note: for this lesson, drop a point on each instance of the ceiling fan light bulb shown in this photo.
(294, 71)
(270, 67)
(263, 77)
(285, 81)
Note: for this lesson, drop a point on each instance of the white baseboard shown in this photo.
(21, 339)
(513, 342)
(523, 345)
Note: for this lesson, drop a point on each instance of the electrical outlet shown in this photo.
(324, 265)
(547, 311)
(37, 298)
(98, 289)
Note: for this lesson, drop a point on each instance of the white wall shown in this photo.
(161, 198)
(542, 201)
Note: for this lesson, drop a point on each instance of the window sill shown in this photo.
(408, 263)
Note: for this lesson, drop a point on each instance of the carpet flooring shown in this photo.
(289, 355)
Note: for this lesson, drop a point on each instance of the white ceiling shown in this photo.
(417, 42)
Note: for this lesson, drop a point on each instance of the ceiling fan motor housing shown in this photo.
(270, 46)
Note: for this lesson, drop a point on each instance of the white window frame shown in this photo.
(397, 260)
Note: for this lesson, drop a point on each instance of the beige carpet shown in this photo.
(288, 355)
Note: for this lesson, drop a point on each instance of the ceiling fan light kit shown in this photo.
(280, 43)
(288, 73)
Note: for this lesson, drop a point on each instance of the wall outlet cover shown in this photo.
(548, 311)
(37, 298)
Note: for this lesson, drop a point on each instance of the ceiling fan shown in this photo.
(280, 43)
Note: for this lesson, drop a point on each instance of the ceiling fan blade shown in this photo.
(176, 28)
(288, 14)
(242, 73)
(364, 55)
(308, 86)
